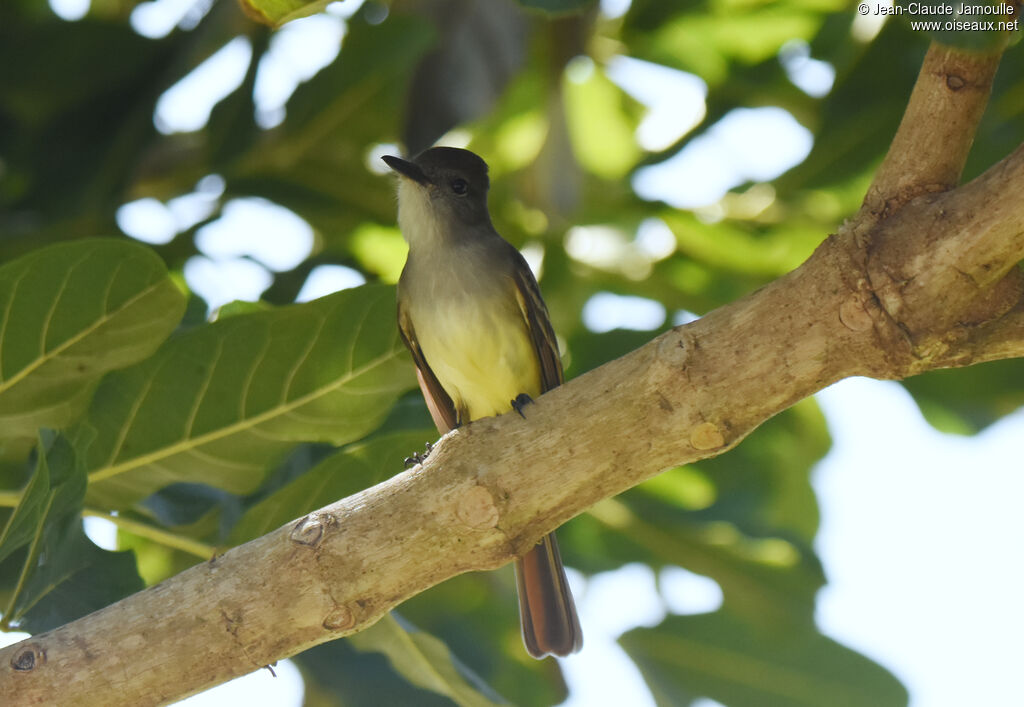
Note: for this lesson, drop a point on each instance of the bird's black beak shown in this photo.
(406, 168)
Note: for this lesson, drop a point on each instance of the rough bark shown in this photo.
(926, 276)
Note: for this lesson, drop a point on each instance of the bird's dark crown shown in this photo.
(438, 161)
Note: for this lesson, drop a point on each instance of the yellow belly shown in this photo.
(482, 356)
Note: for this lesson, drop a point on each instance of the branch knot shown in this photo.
(476, 508)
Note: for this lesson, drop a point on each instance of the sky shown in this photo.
(921, 531)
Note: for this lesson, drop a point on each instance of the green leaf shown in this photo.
(46, 494)
(232, 126)
(311, 165)
(601, 127)
(71, 151)
(380, 250)
(353, 469)
(764, 484)
(477, 617)
(277, 12)
(966, 400)
(64, 575)
(721, 657)
(708, 42)
(847, 149)
(223, 403)
(740, 247)
(70, 313)
(425, 662)
(76, 579)
(23, 523)
(767, 580)
(337, 675)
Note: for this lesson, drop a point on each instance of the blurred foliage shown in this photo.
(200, 438)
(718, 654)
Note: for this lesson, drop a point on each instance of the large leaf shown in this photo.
(24, 521)
(718, 656)
(63, 575)
(425, 662)
(71, 150)
(477, 617)
(48, 494)
(75, 578)
(763, 486)
(357, 467)
(965, 401)
(768, 581)
(70, 313)
(223, 403)
(337, 675)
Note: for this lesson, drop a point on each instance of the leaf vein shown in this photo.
(71, 341)
(7, 317)
(203, 387)
(48, 319)
(111, 469)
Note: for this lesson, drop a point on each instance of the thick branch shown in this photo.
(945, 265)
(1003, 338)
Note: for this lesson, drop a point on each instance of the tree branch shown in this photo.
(946, 264)
(937, 130)
(926, 281)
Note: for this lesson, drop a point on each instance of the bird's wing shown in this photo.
(440, 404)
(542, 336)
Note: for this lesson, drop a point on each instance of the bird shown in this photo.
(471, 314)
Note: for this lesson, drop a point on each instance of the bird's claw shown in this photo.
(521, 401)
(418, 457)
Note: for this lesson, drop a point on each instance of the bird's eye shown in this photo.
(459, 186)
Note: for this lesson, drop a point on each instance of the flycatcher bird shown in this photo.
(471, 314)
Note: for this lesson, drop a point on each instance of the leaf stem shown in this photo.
(10, 499)
(151, 532)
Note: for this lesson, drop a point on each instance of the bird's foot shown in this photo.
(418, 457)
(521, 401)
